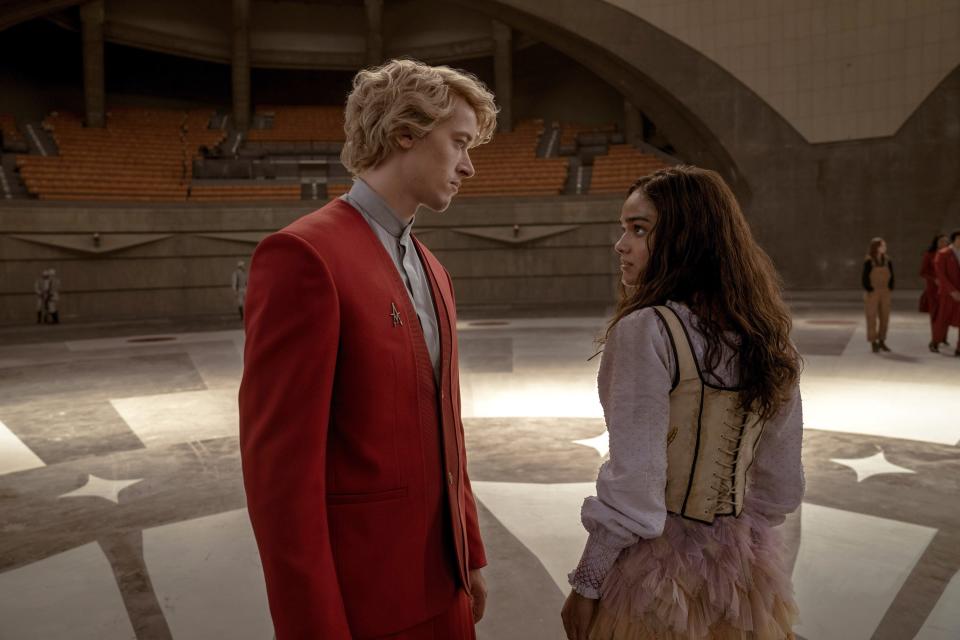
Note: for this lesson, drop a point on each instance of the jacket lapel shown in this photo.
(443, 305)
(385, 262)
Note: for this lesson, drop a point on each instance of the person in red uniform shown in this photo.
(947, 267)
(351, 440)
(929, 299)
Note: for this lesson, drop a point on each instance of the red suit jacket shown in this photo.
(948, 279)
(353, 457)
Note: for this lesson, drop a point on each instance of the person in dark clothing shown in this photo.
(877, 280)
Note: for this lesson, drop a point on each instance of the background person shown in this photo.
(947, 267)
(930, 298)
(238, 282)
(877, 281)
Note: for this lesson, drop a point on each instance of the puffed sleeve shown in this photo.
(634, 381)
(776, 482)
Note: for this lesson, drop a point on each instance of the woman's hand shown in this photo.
(577, 615)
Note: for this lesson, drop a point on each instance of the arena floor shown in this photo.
(122, 512)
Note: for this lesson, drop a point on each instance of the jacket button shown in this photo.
(450, 478)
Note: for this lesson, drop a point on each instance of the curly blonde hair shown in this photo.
(407, 95)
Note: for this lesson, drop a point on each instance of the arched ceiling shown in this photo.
(568, 26)
(289, 34)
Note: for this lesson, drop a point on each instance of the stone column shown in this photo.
(94, 93)
(374, 31)
(633, 123)
(241, 64)
(503, 73)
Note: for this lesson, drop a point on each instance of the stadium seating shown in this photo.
(248, 193)
(8, 125)
(508, 165)
(140, 155)
(147, 155)
(337, 189)
(570, 130)
(300, 124)
(616, 171)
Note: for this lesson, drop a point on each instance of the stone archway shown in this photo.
(700, 105)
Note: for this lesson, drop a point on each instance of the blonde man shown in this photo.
(350, 432)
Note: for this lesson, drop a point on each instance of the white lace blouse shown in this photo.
(634, 382)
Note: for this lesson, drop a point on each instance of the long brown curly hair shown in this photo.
(703, 254)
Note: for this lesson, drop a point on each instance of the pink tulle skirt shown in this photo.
(720, 581)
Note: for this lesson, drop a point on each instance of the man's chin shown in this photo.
(440, 205)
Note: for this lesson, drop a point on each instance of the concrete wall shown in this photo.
(547, 83)
(813, 206)
(553, 86)
(33, 86)
(183, 271)
(836, 70)
(299, 34)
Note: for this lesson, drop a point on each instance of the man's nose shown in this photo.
(465, 168)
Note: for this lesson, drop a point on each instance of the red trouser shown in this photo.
(941, 325)
(456, 623)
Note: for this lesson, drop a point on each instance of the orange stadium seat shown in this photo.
(147, 154)
(337, 189)
(508, 165)
(616, 171)
(300, 124)
(140, 155)
(245, 193)
(8, 125)
(570, 130)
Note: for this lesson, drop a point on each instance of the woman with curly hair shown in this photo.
(699, 387)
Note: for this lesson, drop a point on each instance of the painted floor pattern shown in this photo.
(122, 512)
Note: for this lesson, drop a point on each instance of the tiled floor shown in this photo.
(122, 513)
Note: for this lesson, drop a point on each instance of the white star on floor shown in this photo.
(871, 466)
(601, 443)
(100, 488)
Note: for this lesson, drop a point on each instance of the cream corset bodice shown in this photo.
(710, 440)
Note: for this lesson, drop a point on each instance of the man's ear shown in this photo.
(405, 139)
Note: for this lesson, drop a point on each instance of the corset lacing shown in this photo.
(727, 458)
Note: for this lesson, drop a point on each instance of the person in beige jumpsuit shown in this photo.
(877, 280)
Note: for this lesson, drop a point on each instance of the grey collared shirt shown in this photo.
(395, 237)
